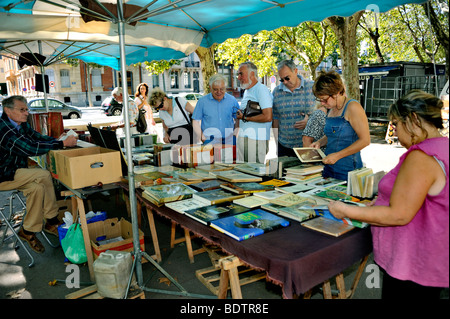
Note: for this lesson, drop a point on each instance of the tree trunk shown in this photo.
(345, 30)
(206, 56)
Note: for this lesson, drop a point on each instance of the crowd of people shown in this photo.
(409, 218)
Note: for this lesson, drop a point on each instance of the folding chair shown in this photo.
(13, 221)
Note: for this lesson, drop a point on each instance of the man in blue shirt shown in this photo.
(215, 113)
(293, 102)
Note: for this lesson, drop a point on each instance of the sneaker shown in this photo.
(32, 240)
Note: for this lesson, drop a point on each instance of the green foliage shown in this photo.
(158, 67)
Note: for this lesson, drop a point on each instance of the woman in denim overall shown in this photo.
(346, 131)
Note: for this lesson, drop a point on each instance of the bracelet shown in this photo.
(243, 119)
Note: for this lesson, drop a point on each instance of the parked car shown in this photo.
(111, 107)
(192, 98)
(67, 111)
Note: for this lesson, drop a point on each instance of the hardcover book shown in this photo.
(160, 194)
(184, 205)
(235, 176)
(327, 226)
(207, 214)
(251, 201)
(296, 213)
(326, 182)
(258, 169)
(249, 224)
(295, 188)
(207, 185)
(216, 196)
(246, 187)
(289, 199)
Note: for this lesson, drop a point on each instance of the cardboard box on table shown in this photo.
(81, 167)
(113, 228)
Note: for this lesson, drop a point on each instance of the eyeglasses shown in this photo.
(323, 100)
(286, 78)
(22, 110)
(160, 106)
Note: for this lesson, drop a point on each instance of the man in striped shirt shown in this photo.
(18, 141)
(293, 102)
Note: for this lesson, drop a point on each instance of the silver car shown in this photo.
(67, 111)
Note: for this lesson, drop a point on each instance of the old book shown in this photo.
(207, 185)
(249, 224)
(271, 207)
(304, 169)
(197, 176)
(289, 199)
(327, 226)
(309, 154)
(160, 194)
(296, 212)
(150, 178)
(326, 182)
(276, 182)
(258, 169)
(251, 201)
(207, 214)
(182, 206)
(295, 188)
(323, 211)
(216, 196)
(269, 195)
(246, 187)
(330, 194)
(235, 176)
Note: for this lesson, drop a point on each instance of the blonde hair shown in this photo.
(156, 95)
(417, 106)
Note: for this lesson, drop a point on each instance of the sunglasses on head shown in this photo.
(286, 78)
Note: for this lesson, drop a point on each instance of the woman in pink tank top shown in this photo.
(410, 217)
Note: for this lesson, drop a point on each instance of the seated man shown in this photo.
(18, 141)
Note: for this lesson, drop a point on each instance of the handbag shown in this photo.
(141, 123)
(252, 109)
(182, 138)
(73, 245)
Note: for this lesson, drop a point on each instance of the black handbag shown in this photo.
(141, 123)
(252, 109)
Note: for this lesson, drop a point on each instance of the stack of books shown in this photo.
(304, 172)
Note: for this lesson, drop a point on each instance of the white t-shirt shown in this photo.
(177, 118)
(257, 131)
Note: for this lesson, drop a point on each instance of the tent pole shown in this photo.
(132, 193)
(44, 85)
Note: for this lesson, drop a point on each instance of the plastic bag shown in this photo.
(73, 245)
(141, 122)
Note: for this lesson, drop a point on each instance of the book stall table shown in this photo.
(294, 257)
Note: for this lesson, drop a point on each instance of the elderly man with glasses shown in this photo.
(215, 114)
(293, 102)
(18, 141)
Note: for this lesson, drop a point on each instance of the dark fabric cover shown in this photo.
(294, 257)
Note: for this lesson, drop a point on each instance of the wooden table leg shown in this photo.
(87, 243)
(151, 222)
(229, 273)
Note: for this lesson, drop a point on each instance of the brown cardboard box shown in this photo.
(81, 167)
(112, 228)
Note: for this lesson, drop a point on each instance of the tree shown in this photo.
(206, 56)
(345, 31)
(310, 42)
